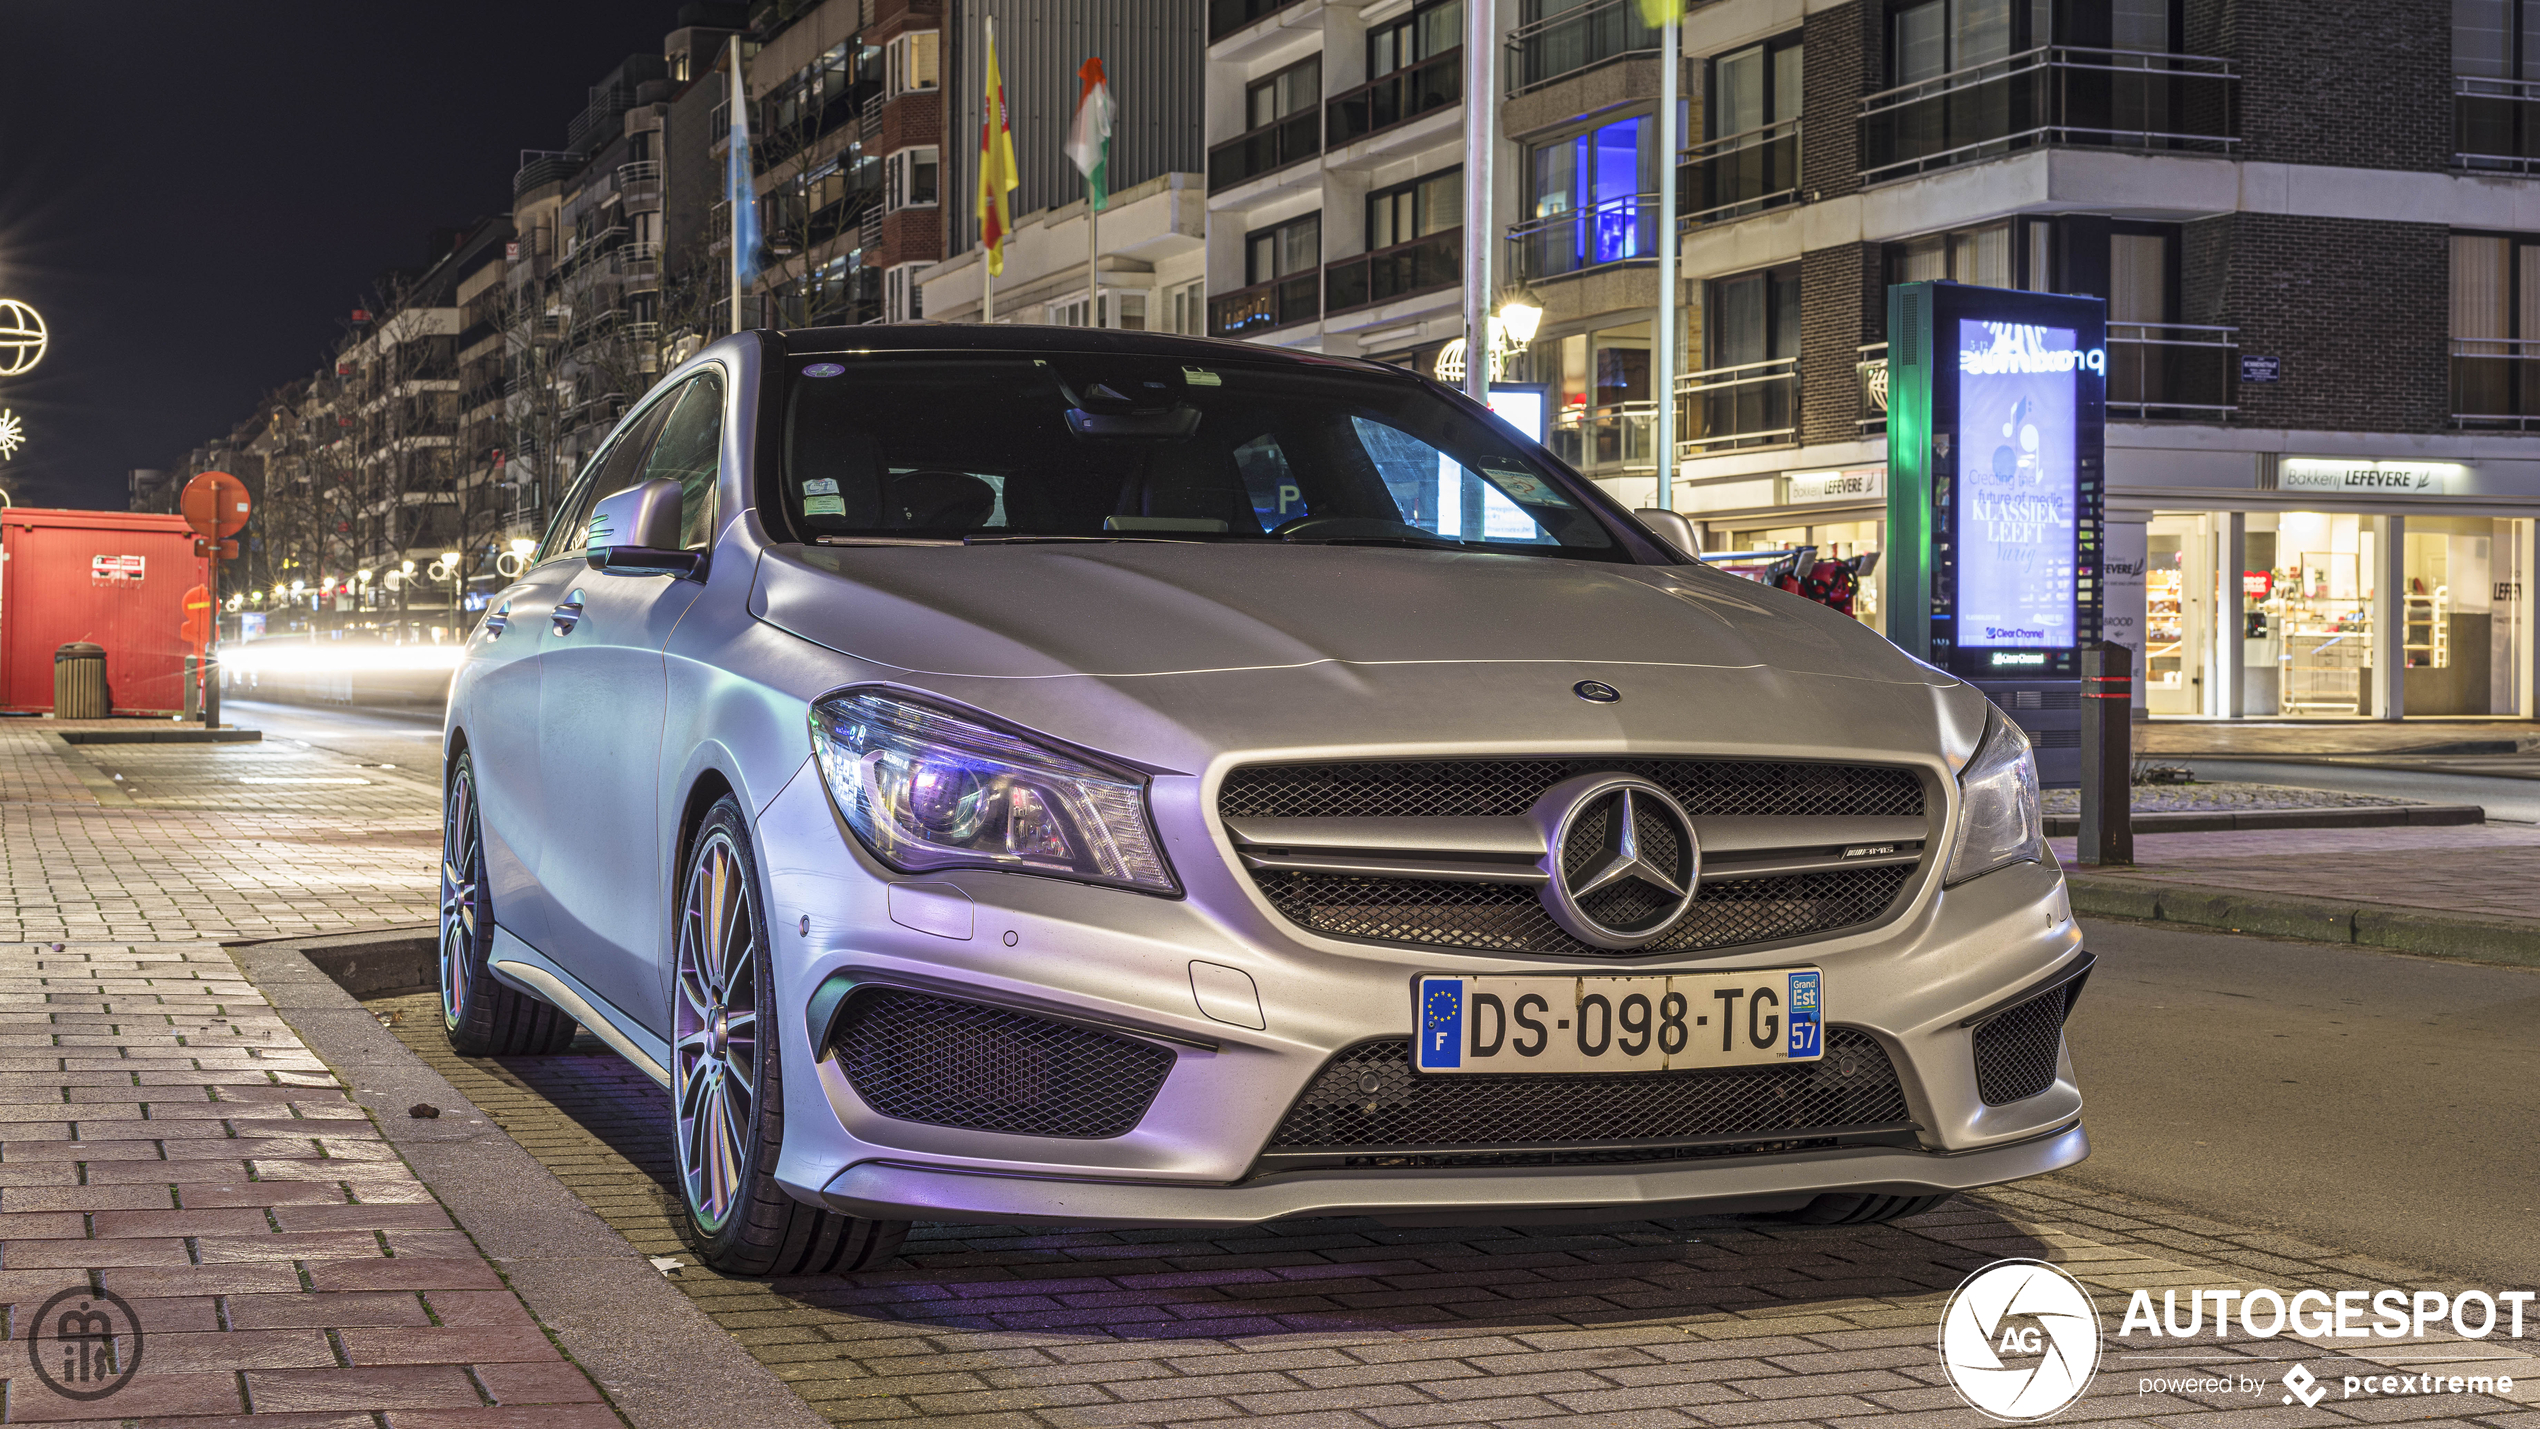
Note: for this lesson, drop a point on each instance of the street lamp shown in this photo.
(1520, 313)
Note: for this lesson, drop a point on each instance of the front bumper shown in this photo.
(904, 1191)
(1125, 961)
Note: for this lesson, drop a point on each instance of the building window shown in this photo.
(1590, 199)
(2495, 329)
(2495, 48)
(1293, 90)
(1185, 307)
(1755, 87)
(2016, 253)
(910, 63)
(1748, 392)
(909, 178)
(1415, 210)
(1424, 34)
(1290, 248)
(902, 299)
(1937, 37)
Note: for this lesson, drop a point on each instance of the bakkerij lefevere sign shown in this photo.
(1997, 416)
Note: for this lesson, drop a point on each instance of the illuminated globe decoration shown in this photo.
(22, 337)
(12, 434)
(2020, 1340)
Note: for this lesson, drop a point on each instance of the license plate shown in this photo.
(1619, 1024)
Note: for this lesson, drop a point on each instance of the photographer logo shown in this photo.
(85, 1344)
(2020, 1341)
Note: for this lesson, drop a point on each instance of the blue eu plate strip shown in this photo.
(1441, 1022)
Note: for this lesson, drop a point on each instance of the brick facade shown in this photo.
(1841, 304)
(2358, 312)
(2351, 83)
(910, 120)
(1843, 63)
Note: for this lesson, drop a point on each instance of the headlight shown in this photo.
(924, 789)
(1998, 820)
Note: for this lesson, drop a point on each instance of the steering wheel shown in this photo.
(1346, 528)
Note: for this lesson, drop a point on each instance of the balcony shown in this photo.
(1621, 230)
(1620, 436)
(1746, 404)
(1870, 370)
(1227, 16)
(2496, 383)
(1398, 98)
(2051, 95)
(1423, 265)
(642, 175)
(1273, 147)
(2495, 125)
(1738, 174)
(1559, 46)
(1265, 306)
(2172, 372)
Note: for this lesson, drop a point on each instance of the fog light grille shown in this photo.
(946, 1062)
(2016, 1049)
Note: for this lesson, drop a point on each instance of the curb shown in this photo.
(2509, 941)
(620, 1319)
(2199, 821)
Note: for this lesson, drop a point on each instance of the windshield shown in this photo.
(1004, 447)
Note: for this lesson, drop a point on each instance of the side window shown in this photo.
(690, 452)
(607, 474)
(1437, 493)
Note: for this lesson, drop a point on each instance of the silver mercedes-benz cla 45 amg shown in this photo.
(1002, 775)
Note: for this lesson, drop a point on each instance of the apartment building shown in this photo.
(1144, 265)
(2311, 223)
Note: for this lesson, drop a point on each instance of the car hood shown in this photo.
(1141, 610)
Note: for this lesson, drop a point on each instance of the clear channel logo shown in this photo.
(2020, 1340)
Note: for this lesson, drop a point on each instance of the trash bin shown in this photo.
(79, 681)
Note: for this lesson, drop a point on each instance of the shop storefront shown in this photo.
(2322, 583)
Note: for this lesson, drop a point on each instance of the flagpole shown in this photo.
(1093, 261)
(731, 165)
(1480, 36)
(988, 131)
(1663, 367)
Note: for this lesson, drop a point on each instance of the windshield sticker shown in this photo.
(824, 506)
(821, 487)
(1523, 486)
(1202, 377)
(823, 369)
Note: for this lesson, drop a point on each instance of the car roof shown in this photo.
(1035, 339)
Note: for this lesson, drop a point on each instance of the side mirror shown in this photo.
(1672, 528)
(636, 533)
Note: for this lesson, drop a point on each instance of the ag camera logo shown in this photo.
(2020, 1341)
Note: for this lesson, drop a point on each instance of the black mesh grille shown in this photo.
(1509, 918)
(1480, 788)
(951, 1063)
(1368, 1099)
(2016, 1049)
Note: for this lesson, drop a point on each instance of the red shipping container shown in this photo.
(117, 578)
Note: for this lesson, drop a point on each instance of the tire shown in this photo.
(1860, 1208)
(727, 1080)
(483, 1017)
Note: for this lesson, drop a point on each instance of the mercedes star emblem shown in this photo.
(1620, 860)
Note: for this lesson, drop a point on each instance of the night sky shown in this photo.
(197, 195)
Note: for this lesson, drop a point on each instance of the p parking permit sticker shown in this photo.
(1526, 487)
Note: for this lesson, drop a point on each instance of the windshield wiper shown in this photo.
(1441, 544)
(975, 540)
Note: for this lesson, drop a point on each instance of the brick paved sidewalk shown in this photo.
(167, 1140)
(1345, 1324)
(2491, 870)
(137, 842)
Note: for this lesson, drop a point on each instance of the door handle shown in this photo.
(498, 620)
(568, 613)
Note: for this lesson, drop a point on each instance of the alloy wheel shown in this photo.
(714, 1032)
(462, 875)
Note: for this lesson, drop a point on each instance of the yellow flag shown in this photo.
(997, 176)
